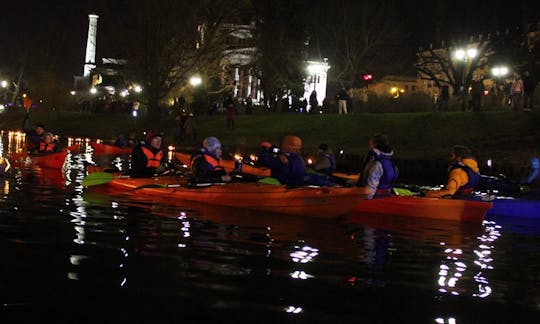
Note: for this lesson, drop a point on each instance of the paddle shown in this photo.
(177, 185)
(97, 178)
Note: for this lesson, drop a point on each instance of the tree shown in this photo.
(167, 41)
(441, 66)
(358, 37)
(280, 39)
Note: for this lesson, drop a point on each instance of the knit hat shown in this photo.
(150, 136)
(211, 144)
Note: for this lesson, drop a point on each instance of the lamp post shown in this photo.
(464, 56)
(499, 72)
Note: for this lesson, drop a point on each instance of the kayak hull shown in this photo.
(422, 207)
(318, 202)
(106, 149)
(51, 161)
(515, 207)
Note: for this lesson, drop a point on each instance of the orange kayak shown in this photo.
(319, 202)
(434, 208)
(229, 165)
(106, 149)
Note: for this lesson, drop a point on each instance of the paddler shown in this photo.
(206, 164)
(147, 157)
(287, 164)
(463, 175)
(378, 172)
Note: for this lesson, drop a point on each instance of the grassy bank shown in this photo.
(505, 136)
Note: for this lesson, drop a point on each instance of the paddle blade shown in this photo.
(97, 178)
(403, 192)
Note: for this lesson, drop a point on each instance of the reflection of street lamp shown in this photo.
(464, 56)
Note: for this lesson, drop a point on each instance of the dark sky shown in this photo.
(55, 31)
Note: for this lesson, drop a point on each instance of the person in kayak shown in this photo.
(287, 165)
(205, 164)
(463, 175)
(378, 172)
(147, 157)
(47, 144)
(326, 160)
(34, 136)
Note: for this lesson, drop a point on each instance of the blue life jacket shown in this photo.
(390, 172)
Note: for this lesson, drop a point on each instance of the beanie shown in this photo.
(150, 136)
(211, 144)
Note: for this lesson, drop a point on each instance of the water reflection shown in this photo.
(196, 259)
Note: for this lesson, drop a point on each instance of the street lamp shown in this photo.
(499, 72)
(195, 81)
(464, 56)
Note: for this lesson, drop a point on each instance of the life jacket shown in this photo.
(390, 174)
(153, 160)
(332, 159)
(474, 178)
(390, 171)
(212, 163)
(44, 147)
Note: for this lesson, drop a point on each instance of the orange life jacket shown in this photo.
(44, 147)
(153, 160)
(213, 162)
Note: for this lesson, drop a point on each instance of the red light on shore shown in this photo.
(368, 77)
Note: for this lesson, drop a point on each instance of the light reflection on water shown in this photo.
(198, 260)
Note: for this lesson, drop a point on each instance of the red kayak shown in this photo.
(107, 149)
(435, 208)
(306, 201)
(46, 160)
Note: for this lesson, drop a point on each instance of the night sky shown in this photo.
(55, 31)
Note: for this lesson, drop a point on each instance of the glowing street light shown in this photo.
(464, 56)
(499, 72)
(195, 81)
(4, 84)
(137, 88)
(93, 90)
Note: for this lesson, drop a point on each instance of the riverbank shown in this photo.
(508, 138)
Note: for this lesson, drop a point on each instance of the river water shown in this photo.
(88, 255)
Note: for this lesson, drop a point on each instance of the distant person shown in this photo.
(206, 164)
(121, 141)
(463, 175)
(445, 97)
(378, 171)
(477, 91)
(313, 102)
(230, 111)
(190, 128)
(249, 105)
(343, 97)
(517, 93)
(326, 160)
(529, 85)
(287, 164)
(534, 170)
(148, 158)
(47, 144)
